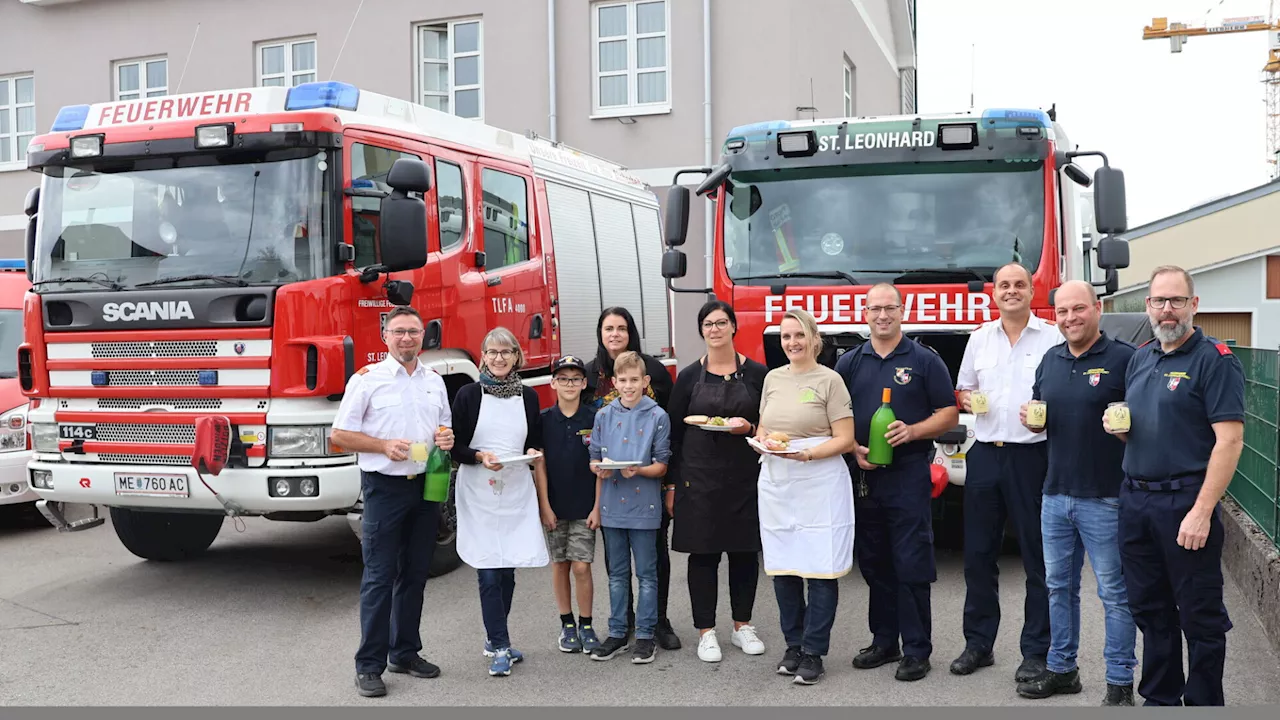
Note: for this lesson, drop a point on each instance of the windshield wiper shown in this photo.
(812, 273)
(100, 281)
(225, 279)
(943, 271)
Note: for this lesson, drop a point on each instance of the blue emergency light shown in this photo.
(10, 264)
(208, 377)
(99, 378)
(315, 95)
(71, 117)
(1015, 116)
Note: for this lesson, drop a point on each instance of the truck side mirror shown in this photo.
(676, 226)
(402, 232)
(1109, 212)
(674, 264)
(31, 207)
(1113, 254)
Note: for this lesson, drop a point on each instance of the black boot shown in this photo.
(1030, 669)
(1118, 695)
(666, 635)
(970, 660)
(1051, 683)
(873, 656)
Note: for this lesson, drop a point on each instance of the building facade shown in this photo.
(652, 84)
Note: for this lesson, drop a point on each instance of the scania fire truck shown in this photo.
(810, 214)
(236, 252)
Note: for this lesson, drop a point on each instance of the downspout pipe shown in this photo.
(707, 140)
(551, 66)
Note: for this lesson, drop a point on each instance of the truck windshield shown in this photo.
(10, 339)
(263, 219)
(916, 224)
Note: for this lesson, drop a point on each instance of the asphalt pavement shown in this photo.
(269, 617)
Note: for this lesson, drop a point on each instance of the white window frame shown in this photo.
(452, 92)
(633, 107)
(11, 109)
(143, 91)
(849, 89)
(290, 73)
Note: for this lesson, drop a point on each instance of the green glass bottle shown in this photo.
(880, 452)
(439, 470)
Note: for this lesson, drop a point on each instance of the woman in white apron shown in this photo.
(499, 524)
(806, 494)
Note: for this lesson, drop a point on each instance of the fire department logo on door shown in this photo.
(902, 376)
(239, 348)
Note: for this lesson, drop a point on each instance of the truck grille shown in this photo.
(129, 459)
(166, 403)
(166, 378)
(159, 349)
(162, 434)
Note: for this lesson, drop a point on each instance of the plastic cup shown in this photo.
(1118, 416)
(978, 402)
(418, 452)
(1037, 411)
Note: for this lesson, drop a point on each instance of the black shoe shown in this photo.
(873, 656)
(644, 652)
(416, 667)
(809, 671)
(970, 660)
(666, 636)
(610, 647)
(1030, 669)
(1118, 695)
(1050, 683)
(912, 669)
(790, 661)
(370, 685)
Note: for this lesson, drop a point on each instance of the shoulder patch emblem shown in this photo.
(1223, 348)
(364, 370)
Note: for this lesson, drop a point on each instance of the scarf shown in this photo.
(505, 389)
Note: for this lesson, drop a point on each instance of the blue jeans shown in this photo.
(497, 588)
(624, 543)
(1071, 527)
(807, 626)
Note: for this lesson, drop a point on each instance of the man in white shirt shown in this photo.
(1007, 465)
(387, 407)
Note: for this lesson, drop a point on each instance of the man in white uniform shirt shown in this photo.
(1007, 465)
(387, 407)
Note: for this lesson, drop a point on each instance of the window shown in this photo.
(287, 63)
(848, 89)
(506, 224)
(1273, 277)
(630, 59)
(17, 117)
(369, 168)
(139, 78)
(451, 204)
(451, 67)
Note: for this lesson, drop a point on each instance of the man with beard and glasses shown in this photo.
(1185, 392)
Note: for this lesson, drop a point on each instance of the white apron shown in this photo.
(498, 521)
(806, 514)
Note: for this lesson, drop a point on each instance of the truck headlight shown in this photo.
(13, 429)
(44, 437)
(305, 441)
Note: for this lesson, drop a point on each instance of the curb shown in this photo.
(1253, 562)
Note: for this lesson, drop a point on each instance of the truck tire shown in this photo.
(445, 558)
(165, 536)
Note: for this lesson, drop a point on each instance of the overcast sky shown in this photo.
(1185, 128)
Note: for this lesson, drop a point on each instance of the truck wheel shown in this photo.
(165, 536)
(445, 559)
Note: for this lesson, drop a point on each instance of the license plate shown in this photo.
(77, 432)
(152, 485)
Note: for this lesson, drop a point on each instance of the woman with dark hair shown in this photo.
(715, 406)
(616, 333)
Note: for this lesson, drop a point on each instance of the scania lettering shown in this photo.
(810, 214)
(235, 253)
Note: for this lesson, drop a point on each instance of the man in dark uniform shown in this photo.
(893, 513)
(1185, 392)
(1080, 512)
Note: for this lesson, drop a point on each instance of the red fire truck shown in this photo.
(810, 214)
(15, 445)
(236, 252)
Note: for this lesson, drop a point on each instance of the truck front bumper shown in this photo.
(14, 487)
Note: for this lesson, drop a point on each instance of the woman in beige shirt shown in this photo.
(805, 494)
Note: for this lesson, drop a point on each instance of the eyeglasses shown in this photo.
(402, 332)
(886, 309)
(1177, 303)
(504, 354)
(570, 381)
(716, 324)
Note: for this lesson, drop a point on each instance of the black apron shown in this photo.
(715, 502)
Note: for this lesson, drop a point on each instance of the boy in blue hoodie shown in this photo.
(632, 428)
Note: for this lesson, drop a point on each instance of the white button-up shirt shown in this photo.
(1006, 374)
(385, 402)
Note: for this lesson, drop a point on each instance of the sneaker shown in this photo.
(516, 655)
(610, 647)
(569, 640)
(416, 667)
(745, 637)
(790, 661)
(709, 647)
(501, 663)
(810, 670)
(589, 640)
(646, 650)
(370, 685)
(1118, 695)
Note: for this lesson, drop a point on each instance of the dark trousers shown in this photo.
(894, 537)
(398, 534)
(1004, 483)
(807, 625)
(664, 573)
(1172, 592)
(497, 588)
(704, 586)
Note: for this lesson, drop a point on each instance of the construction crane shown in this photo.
(1178, 34)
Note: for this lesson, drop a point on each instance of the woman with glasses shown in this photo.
(715, 405)
(498, 445)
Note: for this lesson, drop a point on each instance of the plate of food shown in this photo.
(607, 464)
(775, 443)
(713, 424)
(514, 459)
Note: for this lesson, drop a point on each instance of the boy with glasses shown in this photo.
(569, 502)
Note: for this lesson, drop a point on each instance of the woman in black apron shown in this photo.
(714, 506)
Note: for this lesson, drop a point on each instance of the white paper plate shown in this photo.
(715, 428)
(763, 449)
(619, 464)
(516, 459)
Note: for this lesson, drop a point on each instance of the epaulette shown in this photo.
(365, 369)
(1223, 348)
